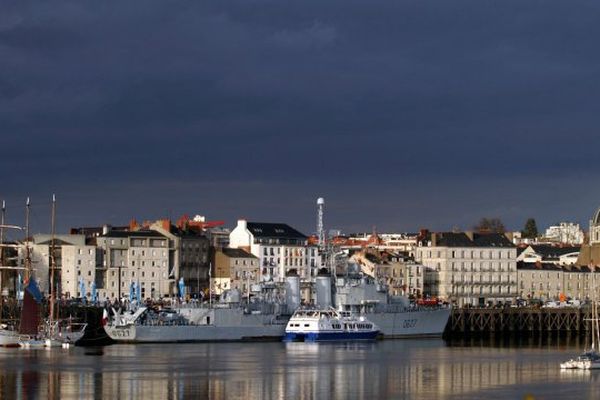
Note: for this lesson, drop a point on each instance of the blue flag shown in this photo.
(33, 289)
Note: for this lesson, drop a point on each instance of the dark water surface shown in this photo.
(394, 369)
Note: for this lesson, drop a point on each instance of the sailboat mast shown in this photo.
(27, 253)
(2, 238)
(2, 254)
(52, 260)
(595, 311)
(594, 316)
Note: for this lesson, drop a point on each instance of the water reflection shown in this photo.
(389, 369)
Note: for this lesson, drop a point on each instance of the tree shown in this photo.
(530, 230)
(490, 225)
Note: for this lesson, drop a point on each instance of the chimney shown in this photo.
(242, 224)
(133, 225)
(433, 239)
(106, 229)
(166, 224)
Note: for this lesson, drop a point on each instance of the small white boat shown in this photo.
(314, 325)
(587, 360)
(9, 338)
(590, 359)
(32, 343)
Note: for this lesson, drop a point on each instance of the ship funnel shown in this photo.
(323, 283)
(292, 291)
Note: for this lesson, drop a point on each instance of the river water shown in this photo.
(393, 369)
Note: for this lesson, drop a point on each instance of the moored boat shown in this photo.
(316, 325)
(590, 359)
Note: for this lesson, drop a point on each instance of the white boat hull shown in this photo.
(9, 338)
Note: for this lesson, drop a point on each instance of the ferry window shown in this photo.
(306, 325)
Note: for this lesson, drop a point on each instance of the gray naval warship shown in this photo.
(264, 316)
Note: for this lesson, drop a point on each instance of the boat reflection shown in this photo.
(388, 369)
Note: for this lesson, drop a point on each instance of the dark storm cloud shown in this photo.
(401, 114)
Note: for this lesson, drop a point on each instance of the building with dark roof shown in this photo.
(469, 268)
(562, 255)
(279, 248)
(550, 281)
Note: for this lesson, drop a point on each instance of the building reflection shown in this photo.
(334, 371)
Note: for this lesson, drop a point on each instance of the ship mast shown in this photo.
(52, 260)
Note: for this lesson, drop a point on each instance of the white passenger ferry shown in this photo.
(313, 325)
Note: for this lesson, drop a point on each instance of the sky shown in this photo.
(401, 114)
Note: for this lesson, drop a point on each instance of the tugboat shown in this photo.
(315, 325)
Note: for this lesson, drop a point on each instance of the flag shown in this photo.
(104, 317)
(33, 289)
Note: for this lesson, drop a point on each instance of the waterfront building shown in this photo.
(550, 281)
(279, 249)
(470, 268)
(74, 261)
(190, 255)
(234, 269)
(142, 256)
(402, 275)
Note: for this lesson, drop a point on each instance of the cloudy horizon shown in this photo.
(402, 115)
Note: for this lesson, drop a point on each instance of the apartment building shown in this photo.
(279, 249)
(470, 268)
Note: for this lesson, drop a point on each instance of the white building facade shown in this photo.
(279, 249)
(470, 268)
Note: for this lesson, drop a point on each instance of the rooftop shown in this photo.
(125, 234)
(237, 253)
(273, 230)
(461, 239)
